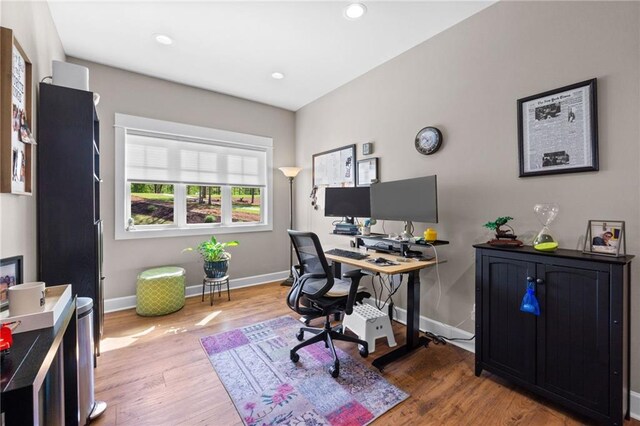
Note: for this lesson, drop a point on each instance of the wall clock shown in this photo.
(428, 140)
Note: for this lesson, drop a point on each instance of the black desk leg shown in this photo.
(413, 340)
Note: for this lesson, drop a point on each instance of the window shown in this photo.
(245, 204)
(152, 204)
(174, 179)
(204, 204)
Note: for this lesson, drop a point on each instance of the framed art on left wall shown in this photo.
(16, 141)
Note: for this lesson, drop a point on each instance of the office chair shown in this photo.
(315, 292)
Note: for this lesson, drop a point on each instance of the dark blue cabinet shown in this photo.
(576, 351)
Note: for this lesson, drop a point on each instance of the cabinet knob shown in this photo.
(539, 281)
(529, 279)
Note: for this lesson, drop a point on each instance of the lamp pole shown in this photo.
(290, 173)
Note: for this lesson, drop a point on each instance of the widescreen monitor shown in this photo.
(347, 202)
(409, 200)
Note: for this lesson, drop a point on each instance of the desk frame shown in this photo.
(412, 267)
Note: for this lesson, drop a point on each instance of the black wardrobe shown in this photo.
(68, 197)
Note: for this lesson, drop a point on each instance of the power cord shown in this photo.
(437, 275)
(439, 339)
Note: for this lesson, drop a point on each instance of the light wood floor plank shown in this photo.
(153, 371)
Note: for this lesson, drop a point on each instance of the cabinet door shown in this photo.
(573, 334)
(508, 334)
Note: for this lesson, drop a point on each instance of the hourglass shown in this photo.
(546, 214)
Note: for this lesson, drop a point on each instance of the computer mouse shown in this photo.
(381, 260)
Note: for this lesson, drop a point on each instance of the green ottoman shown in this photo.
(160, 291)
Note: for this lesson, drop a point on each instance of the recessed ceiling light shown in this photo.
(355, 11)
(163, 39)
(277, 75)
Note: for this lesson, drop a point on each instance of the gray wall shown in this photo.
(466, 81)
(33, 27)
(135, 94)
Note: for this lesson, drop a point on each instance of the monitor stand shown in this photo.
(408, 230)
(349, 220)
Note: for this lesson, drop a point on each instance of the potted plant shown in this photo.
(215, 256)
(504, 237)
(497, 224)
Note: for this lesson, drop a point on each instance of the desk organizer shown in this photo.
(56, 298)
(370, 324)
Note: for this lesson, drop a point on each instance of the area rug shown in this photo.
(268, 389)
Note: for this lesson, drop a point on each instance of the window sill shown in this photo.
(123, 234)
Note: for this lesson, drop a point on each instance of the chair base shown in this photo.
(327, 335)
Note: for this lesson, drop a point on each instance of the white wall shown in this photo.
(33, 27)
(135, 94)
(466, 81)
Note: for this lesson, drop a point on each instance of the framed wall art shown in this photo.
(558, 131)
(605, 237)
(336, 167)
(367, 171)
(11, 273)
(16, 141)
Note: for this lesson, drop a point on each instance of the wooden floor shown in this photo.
(153, 371)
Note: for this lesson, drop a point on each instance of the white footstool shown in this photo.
(369, 323)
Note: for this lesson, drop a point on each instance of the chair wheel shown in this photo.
(300, 335)
(364, 352)
(335, 371)
(294, 357)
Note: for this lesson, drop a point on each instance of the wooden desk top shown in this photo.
(401, 268)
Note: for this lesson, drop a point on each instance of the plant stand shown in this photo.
(212, 283)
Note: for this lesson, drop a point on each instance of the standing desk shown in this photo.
(412, 267)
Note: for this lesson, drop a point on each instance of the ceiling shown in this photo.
(233, 47)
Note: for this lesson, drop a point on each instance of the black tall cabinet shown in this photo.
(69, 224)
(576, 352)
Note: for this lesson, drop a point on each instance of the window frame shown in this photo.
(180, 228)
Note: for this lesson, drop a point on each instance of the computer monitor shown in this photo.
(409, 200)
(347, 202)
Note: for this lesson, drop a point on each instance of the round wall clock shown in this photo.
(428, 140)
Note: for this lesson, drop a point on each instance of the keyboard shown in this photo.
(347, 253)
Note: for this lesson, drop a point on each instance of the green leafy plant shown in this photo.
(212, 250)
(499, 222)
(209, 219)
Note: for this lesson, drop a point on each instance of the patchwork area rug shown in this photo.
(268, 389)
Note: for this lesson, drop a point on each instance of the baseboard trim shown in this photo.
(127, 302)
(436, 327)
(635, 405)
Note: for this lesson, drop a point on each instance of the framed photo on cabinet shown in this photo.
(11, 272)
(558, 131)
(16, 141)
(605, 237)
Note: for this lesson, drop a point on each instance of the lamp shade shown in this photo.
(290, 172)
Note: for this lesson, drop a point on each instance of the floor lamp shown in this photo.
(290, 173)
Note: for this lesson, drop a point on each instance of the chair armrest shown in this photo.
(303, 279)
(353, 273)
(355, 277)
(295, 294)
(296, 270)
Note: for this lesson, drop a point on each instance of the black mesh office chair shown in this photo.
(315, 292)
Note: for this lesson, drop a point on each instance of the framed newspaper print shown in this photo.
(558, 131)
(16, 141)
(605, 237)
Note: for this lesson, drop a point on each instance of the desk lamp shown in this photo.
(290, 173)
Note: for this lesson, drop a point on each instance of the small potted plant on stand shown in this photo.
(215, 256)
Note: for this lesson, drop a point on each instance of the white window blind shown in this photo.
(153, 158)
